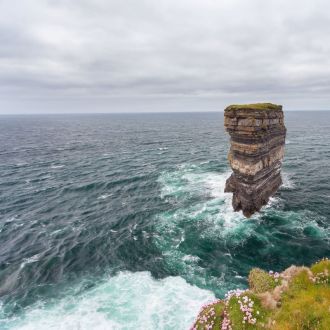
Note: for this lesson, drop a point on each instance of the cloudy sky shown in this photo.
(162, 55)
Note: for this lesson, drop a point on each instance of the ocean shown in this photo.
(120, 221)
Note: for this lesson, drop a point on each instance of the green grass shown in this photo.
(207, 314)
(321, 271)
(236, 316)
(260, 281)
(255, 106)
(304, 302)
(305, 306)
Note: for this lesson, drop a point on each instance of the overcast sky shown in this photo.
(162, 55)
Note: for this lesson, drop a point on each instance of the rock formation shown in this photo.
(257, 134)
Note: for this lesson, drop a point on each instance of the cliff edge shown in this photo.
(296, 299)
(257, 138)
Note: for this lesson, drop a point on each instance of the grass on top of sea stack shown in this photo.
(298, 298)
(254, 106)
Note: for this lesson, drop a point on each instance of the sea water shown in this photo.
(121, 221)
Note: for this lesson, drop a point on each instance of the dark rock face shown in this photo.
(257, 134)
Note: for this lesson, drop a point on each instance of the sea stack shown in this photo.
(257, 138)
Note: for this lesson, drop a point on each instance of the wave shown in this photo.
(200, 224)
(104, 196)
(287, 181)
(212, 204)
(125, 301)
(201, 214)
(56, 166)
(30, 260)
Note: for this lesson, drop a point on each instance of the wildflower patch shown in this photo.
(297, 298)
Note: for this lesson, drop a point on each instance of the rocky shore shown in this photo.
(257, 135)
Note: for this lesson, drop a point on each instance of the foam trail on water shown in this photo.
(56, 166)
(202, 212)
(213, 204)
(125, 301)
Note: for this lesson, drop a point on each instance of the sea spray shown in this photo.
(125, 301)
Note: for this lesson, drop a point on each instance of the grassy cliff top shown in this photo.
(254, 106)
(296, 299)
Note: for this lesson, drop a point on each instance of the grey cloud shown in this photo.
(122, 53)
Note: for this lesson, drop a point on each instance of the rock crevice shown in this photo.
(257, 135)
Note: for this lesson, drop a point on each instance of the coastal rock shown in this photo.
(257, 141)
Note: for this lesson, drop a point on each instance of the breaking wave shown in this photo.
(201, 220)
(125, 301)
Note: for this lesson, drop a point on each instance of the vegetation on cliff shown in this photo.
(296, 299)
(254, 106)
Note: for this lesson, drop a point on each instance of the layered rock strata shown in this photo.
(257, 135)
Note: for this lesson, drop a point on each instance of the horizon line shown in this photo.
(137, 112)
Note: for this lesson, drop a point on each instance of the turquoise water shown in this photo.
(121, 222)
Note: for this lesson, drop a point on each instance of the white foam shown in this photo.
(104, 196)
(125, 301)
(56, 166)
(287, 181)
(199, 201)
(30, 260)
(190, 258)
(190, 180)
(11, 219)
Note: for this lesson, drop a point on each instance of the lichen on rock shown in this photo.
(257, 135)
